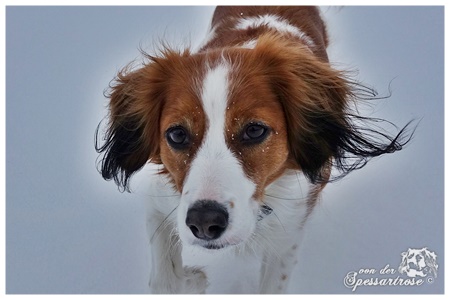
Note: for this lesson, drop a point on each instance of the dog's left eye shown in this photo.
(255, 133)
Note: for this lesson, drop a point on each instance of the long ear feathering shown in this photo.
(322, 129)
(132, 137)
(352, 140)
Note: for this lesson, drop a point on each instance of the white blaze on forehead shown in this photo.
(215, 98)
(215, 171)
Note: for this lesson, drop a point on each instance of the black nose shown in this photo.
(207, 219)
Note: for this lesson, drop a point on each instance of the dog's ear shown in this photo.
(132, 137)
(322, 132)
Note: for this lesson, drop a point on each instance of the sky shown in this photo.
(70, 232)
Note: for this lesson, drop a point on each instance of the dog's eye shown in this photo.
(255, 133)
(177, 137)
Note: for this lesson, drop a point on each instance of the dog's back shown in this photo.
(233, 26)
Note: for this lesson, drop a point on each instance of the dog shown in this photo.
(247, 130)
(418, 263)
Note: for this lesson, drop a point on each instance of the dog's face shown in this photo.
(222, 142)
(227, 123)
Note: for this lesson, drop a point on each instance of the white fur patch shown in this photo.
(215, 173)
(249, 44)
(276, 23)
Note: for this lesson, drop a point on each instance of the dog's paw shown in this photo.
(188, 280)
(195, 281)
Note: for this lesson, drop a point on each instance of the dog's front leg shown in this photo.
(277, 267)
(168, 275)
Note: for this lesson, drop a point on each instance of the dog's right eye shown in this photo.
(178, 137)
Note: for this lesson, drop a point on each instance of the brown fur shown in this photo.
(282, 82)
(306, 18)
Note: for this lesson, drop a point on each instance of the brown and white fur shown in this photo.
(246, 131)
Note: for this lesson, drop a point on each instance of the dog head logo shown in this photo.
(418, 263)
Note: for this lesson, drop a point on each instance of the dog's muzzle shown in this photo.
(207, 219)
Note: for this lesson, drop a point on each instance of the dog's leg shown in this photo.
(284, 233)
(230, 271)
(276, 268)
(168, 275)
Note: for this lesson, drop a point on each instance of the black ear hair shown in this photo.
(124, 152)
(132, 136)
(343, 141)
(321, 128)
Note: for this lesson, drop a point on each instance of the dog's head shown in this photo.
(226, 123)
